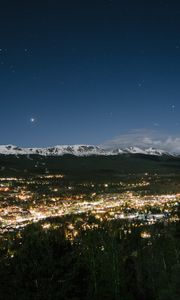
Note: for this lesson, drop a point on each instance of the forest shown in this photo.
(110, 261)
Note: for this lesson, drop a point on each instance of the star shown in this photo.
(27, 51)
(140, 84)
(32, 120)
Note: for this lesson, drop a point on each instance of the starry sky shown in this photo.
(84, 72)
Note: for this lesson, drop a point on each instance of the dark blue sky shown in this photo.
(75, 72)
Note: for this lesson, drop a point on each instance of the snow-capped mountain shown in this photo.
(77, 150)
(150, 151)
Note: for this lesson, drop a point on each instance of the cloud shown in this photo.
(145, 138)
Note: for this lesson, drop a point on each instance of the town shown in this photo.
(25, 201)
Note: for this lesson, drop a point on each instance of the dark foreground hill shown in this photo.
(90, 167)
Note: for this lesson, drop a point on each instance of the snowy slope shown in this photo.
(77, 150)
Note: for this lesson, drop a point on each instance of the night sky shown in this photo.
(84, 72)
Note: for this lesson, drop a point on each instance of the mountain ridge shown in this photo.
(79, 150)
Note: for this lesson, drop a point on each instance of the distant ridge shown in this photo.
(79, 150)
